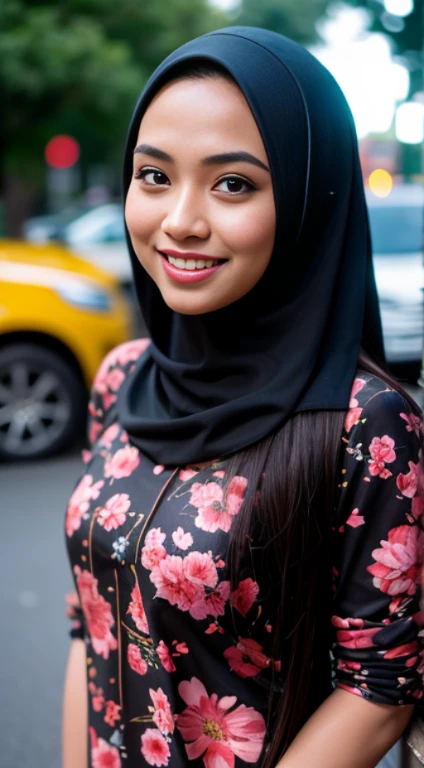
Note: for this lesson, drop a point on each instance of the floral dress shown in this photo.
(178, 663)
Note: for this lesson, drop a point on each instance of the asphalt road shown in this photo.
(34, 577)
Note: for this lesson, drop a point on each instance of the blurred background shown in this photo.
(71, 72)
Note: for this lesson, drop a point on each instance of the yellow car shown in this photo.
(59, 316)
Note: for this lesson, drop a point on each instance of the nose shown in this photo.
(185, 217)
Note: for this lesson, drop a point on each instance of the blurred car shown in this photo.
(99, 236)
(42, 229)
(397, 236)
(59, 316)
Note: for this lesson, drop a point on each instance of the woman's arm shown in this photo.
(75, 726)
(347, 731)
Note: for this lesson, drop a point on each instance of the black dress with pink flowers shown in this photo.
(179, 665)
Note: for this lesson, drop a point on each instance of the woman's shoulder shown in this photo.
(108, 380)
(377, 403)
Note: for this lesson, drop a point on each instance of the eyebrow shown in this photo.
(223, 157)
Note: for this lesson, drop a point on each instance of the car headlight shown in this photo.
(84, 295)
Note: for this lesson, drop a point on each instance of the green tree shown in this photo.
(77, 66)
(293, 18)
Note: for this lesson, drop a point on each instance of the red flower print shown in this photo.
(403, 650)
(355, 519)
(408, 483)
(212, 604)
(382, 453)
(246, 658)
(354, 412)
(182, 540)
(112, 713)
(215, 732)
(136, 609)
(97, 612)
(235, 494)
(103, 755)
(153, 551)
(417, 507)
(245, 595)
(164, 654)
(79, 503)
(154, 747)
(396, 570)
(122, 463)
(162, 715)
(109, 435)
(113, 514)
(98, 702)
(135, 659)
(94, 431)
(357, 638)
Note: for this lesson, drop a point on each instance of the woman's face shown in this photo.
(200, 207)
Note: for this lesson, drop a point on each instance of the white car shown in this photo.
(397, 237)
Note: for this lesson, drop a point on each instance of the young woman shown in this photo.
(246, 538)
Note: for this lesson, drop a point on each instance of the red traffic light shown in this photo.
(62, 151)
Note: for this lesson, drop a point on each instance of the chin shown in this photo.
(190, 306)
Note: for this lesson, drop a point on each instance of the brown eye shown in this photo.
(235, 185)
(152, 177)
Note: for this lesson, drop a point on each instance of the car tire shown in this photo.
(42, 402)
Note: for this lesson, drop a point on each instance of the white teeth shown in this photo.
(192, 263)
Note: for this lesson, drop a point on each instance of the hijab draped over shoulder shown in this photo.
(211, 384)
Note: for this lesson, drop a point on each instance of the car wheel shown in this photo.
(42, 402)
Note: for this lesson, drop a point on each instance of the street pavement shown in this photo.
(35, 576)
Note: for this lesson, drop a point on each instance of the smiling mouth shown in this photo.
(191, 264)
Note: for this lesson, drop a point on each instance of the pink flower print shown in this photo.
(186, 474)
(129, 351)
(112, 713)
(413, 422)
(219, 473)
(79, 503)
(97, 612)
(212, 604)
(158, 469)
(153, 551)
(417, 507)
(396, 570)
(136, 609)
(382, 453)
(86, 456)
(162, 716)
(122, 463)
(235, 494)
(199, 568)
(358, 384)
(164, 654)
(113, 514)
(109, 435)
(182, 540)
(355, 519)
(154, 747)
(114, 379)
(135, 659)
(124, 437)
(352, 416)
(246, 658)
(408, 483)
(94, 431)
(103, 755)
(245, 595)
(215, 732)
(172, 584)
(358, 638)
(98, 702)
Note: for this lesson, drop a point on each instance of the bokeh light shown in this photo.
(62, 151)
(380, 182)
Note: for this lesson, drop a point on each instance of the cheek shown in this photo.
(141, 215)
(251, 232)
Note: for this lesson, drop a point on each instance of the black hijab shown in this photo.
(211, 384)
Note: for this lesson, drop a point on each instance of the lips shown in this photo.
(189, 267)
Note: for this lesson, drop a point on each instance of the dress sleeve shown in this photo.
(377, 645)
